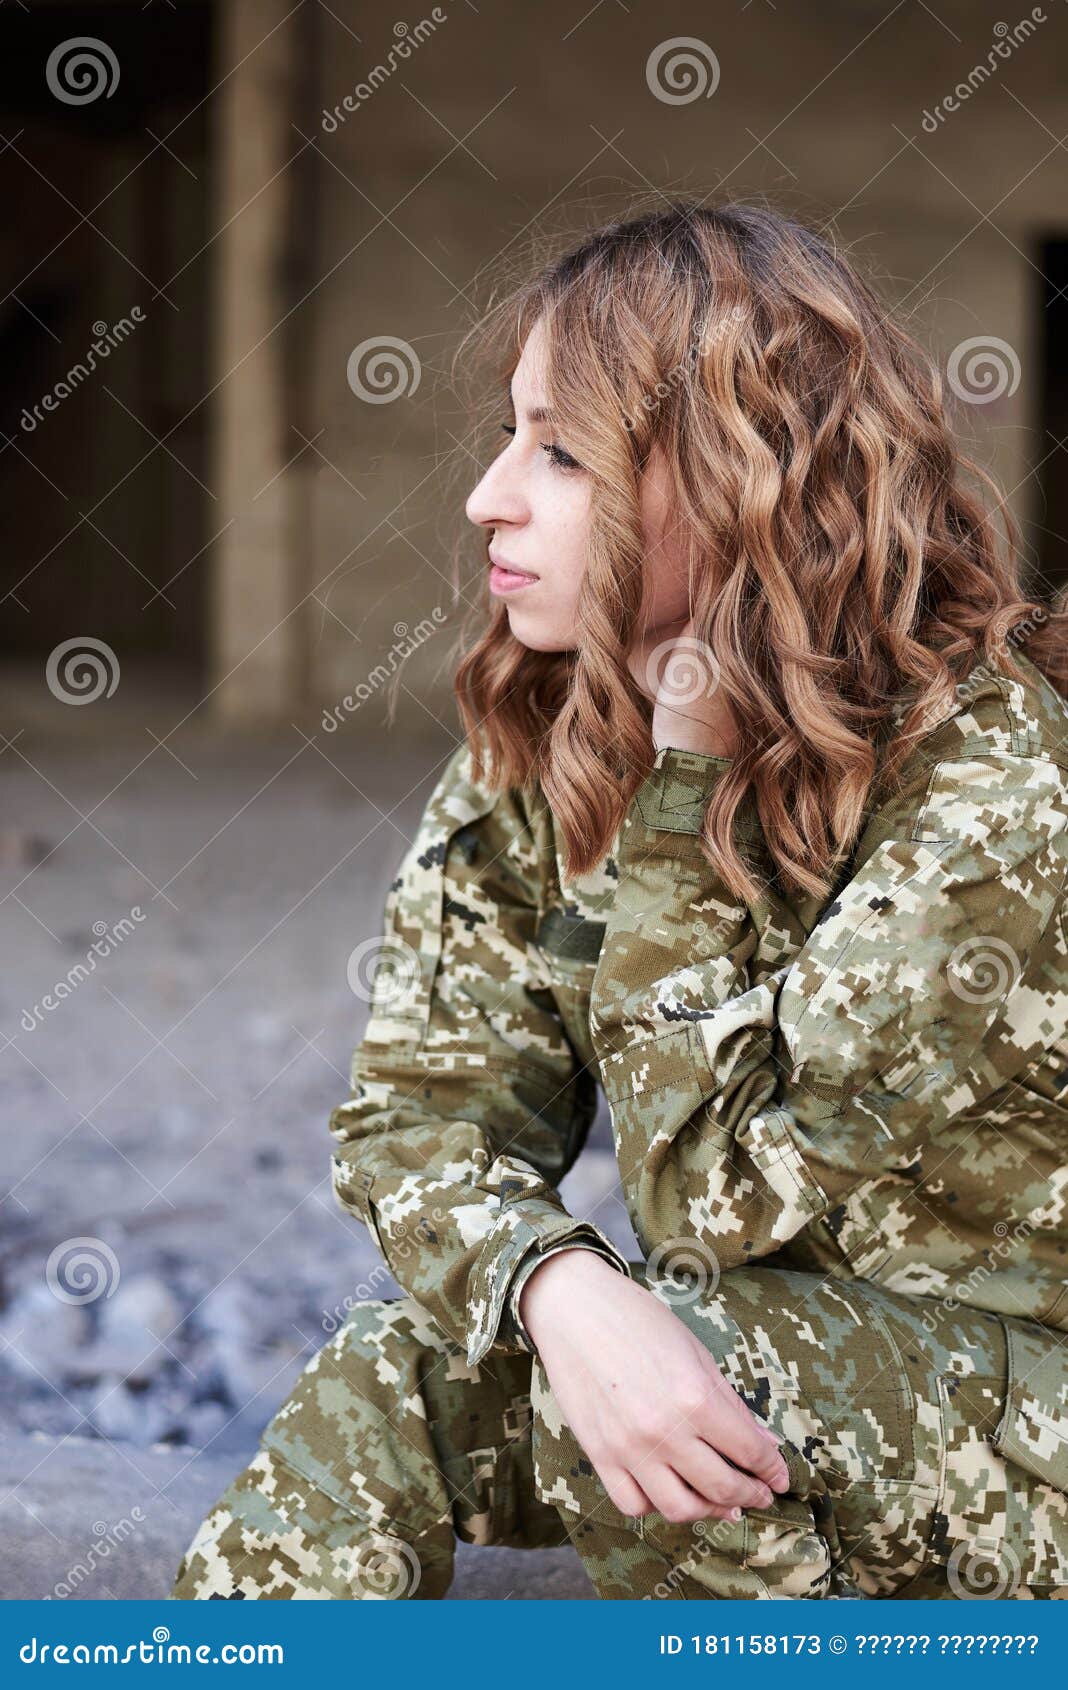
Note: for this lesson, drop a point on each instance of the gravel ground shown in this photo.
(165, 1122)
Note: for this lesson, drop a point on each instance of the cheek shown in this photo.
(547, 618)
(550, 614)
(568, 528)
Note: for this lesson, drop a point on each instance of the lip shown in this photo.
(505, 578)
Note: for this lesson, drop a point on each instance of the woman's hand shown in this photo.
(680, 674)
(645, 1400)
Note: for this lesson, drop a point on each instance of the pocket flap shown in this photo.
(1033, 1431)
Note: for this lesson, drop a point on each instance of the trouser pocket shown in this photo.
(1000, 1527)
(494, 1499)
(1031, 1445)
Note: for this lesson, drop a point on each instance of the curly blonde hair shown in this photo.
(842, 576)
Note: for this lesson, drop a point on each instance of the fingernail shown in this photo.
(735, 1514)
(776, 1437)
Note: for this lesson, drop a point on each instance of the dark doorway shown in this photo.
(1053, 422)
(105, 262)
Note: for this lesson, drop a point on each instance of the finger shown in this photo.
(710, 1474)
(677, 1500)
(630, 1498)
(624, 1491)
(730, 1426)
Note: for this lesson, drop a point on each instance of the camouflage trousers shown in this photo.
(909, 1436)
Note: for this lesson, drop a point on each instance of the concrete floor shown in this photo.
(174, 1107)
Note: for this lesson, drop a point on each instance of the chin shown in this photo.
(532, 633)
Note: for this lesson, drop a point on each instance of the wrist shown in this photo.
(555, 1278)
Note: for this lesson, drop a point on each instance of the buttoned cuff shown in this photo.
(528, 1233)
(512, 1319)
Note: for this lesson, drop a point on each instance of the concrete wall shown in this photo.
(518, 117)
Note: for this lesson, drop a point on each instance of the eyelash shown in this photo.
(556, 454)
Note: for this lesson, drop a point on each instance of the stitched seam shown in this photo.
(393, 1525)
(878, 1319)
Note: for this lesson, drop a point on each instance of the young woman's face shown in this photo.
(535, 501)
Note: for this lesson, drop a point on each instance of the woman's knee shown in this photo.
(782, 1551)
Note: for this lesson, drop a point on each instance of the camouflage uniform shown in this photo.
(842, 1135)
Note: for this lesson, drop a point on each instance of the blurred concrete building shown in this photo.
(286, 191)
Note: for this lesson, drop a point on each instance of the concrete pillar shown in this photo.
(254, 634)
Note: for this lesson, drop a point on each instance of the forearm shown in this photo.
(454, 1221)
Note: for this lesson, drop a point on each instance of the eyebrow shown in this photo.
(536, 415)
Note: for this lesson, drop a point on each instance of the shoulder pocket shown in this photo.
(985, 794)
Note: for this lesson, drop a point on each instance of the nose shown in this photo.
(498, 498)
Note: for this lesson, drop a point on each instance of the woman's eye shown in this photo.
(562, 459)
(556, 454)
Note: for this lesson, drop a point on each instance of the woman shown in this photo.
(762, 824)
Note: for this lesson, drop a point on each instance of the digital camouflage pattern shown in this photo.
(858, 1109)
(914, 1472)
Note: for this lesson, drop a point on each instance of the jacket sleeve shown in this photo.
(749, 1094)
(467, 1102)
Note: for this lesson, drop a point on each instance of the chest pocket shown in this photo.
(404, 959)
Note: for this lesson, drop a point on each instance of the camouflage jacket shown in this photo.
(874, 1087)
